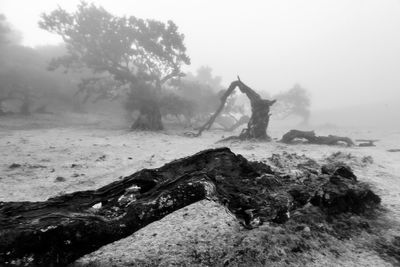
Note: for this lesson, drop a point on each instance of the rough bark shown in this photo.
(259, 120)
(311, 138)
(149, 118)
(60, 230)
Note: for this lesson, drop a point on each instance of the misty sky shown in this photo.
(342, 51)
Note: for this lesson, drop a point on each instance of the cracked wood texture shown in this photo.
(58, 231)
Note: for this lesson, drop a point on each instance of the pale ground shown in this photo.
(89, 152)
(202, 233)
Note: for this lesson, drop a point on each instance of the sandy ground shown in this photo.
(154, 245)
(202, 234)
(49, 155)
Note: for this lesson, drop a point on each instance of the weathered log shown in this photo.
(311, 138)
(366, 142)
(58, 231)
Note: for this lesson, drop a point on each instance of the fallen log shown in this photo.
(58, 231)
(366, 142)
(293, 135)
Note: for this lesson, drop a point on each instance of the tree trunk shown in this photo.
(149, 118)
(259, 120)
(60, 230)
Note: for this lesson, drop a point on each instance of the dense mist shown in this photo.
(199, 133)
(344, 53)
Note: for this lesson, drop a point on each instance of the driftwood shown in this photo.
(311, 138)
(58, 231)
(259, 120)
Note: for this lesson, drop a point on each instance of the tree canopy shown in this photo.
(295, 101)
(142, 54)
(129, 48)
(8, 35)
(25, 84)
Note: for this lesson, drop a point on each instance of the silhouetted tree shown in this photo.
(8, 35)
(203, 97)
(177, 106)
(13, 87)
(295, 101)
(205, 76)
(203, 90)
(23, 77)
(100, 88)
(142, 54)
(3, 29)
(25, 84)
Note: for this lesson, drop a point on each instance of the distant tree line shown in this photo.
(25, 84)
(293, 102)
(120, 58)
(139, 55)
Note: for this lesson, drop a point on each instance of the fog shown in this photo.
(199, 133)
(345, 53)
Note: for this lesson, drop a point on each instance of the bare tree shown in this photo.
(295, 101)
(259, 120)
